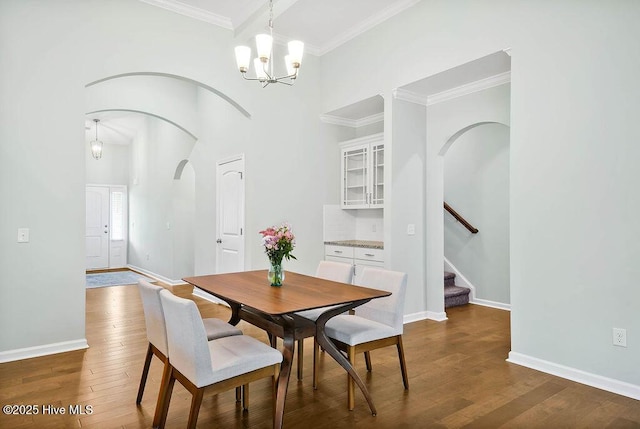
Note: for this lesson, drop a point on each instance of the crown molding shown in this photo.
(366, 25)
(192, 12)
(470, 88)
(353, 123)
(411, 97)
(450, 94)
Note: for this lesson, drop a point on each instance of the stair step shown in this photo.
(449, 278)
(454, 295)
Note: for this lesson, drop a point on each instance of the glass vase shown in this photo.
(276, 273)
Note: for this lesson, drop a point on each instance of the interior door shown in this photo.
(230, 204)
(97, 227)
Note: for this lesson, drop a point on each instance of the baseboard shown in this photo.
(201, 294)
(437, 316)
(43, 350)
(492, 304)
(579, 376)
(158, 277)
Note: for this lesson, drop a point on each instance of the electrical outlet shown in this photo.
(619, 337)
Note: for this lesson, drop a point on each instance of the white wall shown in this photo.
(405, 198)
(573, 155)
(111, 169)
(155, 153)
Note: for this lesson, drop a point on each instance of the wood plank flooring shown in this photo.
(457, 373)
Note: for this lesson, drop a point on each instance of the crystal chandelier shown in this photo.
(96, 145)
(264, 64)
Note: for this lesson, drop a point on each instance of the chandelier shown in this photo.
(263, 64)
(96, 145)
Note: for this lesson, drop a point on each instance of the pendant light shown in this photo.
(96, 145)
(263, 63)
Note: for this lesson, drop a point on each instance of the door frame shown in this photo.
(116, 246)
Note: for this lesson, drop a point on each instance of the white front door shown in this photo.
(97, 227)
(230, 207)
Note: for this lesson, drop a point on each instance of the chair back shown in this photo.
(335, 271)
(186, 338)
(390, 309)
(153, 315)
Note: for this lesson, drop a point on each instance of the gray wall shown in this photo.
(573, 154)
(573, 196)
(50, 51)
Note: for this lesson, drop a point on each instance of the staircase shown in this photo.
(454, 295)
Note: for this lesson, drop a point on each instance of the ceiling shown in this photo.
(321, 24)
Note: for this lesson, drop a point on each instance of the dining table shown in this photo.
(252, 299)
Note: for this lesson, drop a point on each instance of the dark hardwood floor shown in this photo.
(457, 373)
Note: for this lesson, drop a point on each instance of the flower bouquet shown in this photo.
(278, 243)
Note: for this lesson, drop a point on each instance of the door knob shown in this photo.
(218, 241)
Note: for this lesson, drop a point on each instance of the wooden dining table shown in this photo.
(273, 309)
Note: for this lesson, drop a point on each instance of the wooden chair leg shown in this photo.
(164, 397)
(145, 373)
(316, 357)
(367, 360)
(300, 357)
(351, 389)
(403, 364)
(196, 401)
(273, 340)
(238, 393)
(245, 397)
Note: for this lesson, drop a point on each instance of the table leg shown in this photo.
(329, 347)
(235, 313)
(285, 369)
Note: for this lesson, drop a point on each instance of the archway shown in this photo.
(475, 179)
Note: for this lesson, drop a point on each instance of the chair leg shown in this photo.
(164, 397)
(403, 364)
(245, 397)
(367, 360)
(273, 340)
(300, 357)
(316, 357)
(238, 393)
(196, 401)
(351, 389)
(145, 373)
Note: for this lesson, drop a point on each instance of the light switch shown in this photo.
(411, 229)
(23, 235)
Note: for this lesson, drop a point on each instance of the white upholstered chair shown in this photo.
(156, 329)
(329, 270)
(376, 324)
(219, 365)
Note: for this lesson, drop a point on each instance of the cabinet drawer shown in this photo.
(340, 251)
(369, 254)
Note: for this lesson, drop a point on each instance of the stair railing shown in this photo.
(460, 219)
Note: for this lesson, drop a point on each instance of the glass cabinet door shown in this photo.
(355, 166)
(377, 175)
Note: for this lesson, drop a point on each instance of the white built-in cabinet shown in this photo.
(362, 170)
(359, 257)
